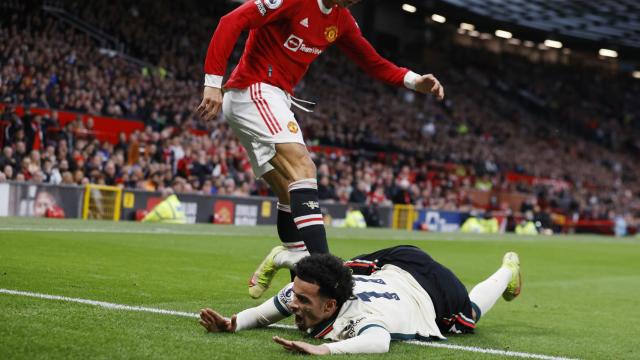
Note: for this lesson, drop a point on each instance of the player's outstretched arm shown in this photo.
(373, 340)
(214, 322)
(361, 52)
(249, 15)
(269, 312)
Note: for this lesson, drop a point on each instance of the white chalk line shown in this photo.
(488, 351)
(102, 304)
(108, 305)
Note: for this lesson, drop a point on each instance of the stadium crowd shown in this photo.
(386, 146)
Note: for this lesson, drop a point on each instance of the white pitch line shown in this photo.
(108, 305)
(103, 304)
(476, 349)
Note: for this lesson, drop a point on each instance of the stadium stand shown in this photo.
(610, 21)
(563, 136)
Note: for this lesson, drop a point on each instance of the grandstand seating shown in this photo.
(607, 22)
(553, 125)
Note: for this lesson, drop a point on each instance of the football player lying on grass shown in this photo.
(399, 293)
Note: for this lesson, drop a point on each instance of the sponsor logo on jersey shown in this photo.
(295, 43)
(261, 8)
(293, 127)
(312, 204)
(331, 33)
(305, 22)
(350, 329)
(273, 4)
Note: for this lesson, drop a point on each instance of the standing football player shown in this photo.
(285, 36)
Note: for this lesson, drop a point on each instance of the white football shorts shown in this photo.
(261, 117)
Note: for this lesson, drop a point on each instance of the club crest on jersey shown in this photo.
(331, 33)
(273, 4)
(293, 127)
(312, 204)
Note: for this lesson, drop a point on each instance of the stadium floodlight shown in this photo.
(409, 8)
(636, 74)
(467, 26)
(553, 44)
(608, 53)
(474, 33)
(503, 34)
(438, 18)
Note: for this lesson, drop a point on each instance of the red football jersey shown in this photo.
(285, 36)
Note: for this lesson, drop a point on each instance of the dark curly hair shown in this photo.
(329, 273)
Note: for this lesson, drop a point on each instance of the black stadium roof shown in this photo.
(614, 23)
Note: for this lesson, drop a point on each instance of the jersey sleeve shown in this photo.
(371, 338)
(283, 299)
(250, 15)
(361, 52)
(269, 312)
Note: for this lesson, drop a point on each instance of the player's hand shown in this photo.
(214, 322)
(428, 84)
(211, 103)
(302, 347)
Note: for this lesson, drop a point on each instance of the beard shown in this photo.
(300, 323)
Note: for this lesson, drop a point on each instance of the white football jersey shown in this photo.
(389, 298)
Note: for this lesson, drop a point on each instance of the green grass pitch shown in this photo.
(580, 297)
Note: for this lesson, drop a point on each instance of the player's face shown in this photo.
(309, 307)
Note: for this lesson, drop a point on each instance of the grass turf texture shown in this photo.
(579, 300)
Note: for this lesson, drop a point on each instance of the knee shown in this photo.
(308, 169)
(294, 162)
(303, 167)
